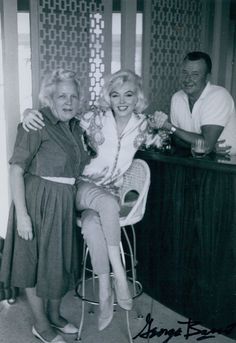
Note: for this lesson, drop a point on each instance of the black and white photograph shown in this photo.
(118, 171)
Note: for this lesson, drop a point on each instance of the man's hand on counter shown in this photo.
(221, 148)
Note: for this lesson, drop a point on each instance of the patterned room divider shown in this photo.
(176, 28)
(72, 36)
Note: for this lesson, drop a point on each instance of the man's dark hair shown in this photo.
(199, 55)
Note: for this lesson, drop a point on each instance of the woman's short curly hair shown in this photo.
(49, 82)
(118, 79)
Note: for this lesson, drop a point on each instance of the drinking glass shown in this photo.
(199, 148)
(165, 140)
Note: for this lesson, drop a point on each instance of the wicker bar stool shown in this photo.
(133, 195)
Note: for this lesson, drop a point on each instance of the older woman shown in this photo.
(116, 130)
(40, 252)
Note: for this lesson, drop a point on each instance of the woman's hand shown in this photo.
(32, 120)
(159, 120)
(24, 227)
(221, 148)
(23, 220)
(165, 136)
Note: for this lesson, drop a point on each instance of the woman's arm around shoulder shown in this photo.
(32, 120)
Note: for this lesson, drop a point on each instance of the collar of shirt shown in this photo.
(203, 94)
(47, 112)
(134, 121)
(205, 91)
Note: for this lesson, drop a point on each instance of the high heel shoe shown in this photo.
(68, 328)
(126, 303)
(104, 320)
(57, 339)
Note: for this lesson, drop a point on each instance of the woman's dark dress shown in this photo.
(50, 261)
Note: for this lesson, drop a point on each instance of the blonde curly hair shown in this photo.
(49, 82)
(118, 79)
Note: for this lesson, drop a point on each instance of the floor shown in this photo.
(16, 322)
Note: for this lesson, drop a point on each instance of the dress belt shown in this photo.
(67, 180)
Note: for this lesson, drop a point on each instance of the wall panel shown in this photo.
(175, 30)
(71, 35)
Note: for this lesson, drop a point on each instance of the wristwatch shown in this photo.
(172, 130)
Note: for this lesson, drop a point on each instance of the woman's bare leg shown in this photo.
(121, 284)
(41, 324)
(106, 301)
(101, 230)
(105, 288)
(94, 237)
(53, 311)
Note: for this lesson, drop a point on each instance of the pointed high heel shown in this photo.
(127, 303)
(57, 339)
(104, 320)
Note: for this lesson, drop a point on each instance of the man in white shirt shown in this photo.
(200, 109)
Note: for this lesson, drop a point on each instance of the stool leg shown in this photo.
(83, 296)
(133, 265)
(128, 327)
(91, 307)
(122, 255)
(132, 261)
(81, 322)
(134, 245)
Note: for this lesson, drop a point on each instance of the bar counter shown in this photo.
(186, 242)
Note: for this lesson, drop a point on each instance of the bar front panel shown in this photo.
(187, 241)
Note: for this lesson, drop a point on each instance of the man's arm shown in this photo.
(221, 148)
(210, 133)
(180, 143)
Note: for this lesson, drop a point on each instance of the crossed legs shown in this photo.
(101, 231)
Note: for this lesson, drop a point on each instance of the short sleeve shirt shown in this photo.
(56, 150)
(215, 106)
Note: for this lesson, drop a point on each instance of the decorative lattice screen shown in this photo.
(71, 36)
(97, 67)
(175, 30)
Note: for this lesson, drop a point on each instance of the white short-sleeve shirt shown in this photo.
(215, 106)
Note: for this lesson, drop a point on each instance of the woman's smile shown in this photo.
(123, 99)
(122, 108)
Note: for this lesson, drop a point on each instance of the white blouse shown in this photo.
(114, 153)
